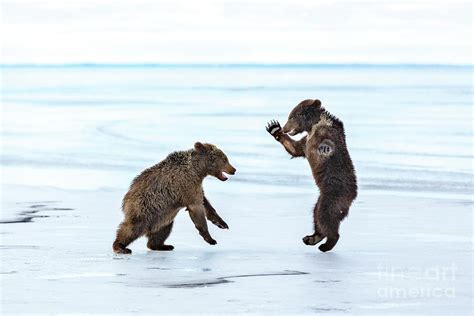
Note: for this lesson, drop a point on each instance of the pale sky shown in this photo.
(241, 31)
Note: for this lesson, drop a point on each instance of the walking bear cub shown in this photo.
(159, 192)
(325, 149)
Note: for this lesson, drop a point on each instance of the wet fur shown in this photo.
(334, 173)
(159, 192)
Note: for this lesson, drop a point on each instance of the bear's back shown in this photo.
(174, 165)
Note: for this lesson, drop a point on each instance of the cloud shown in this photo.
(209, 31)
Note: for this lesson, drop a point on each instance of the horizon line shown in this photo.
(157, 65)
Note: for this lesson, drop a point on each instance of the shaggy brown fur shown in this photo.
(159, 192)
(326, 151)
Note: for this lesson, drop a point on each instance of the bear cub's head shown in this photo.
(214, 161)
(303, 117)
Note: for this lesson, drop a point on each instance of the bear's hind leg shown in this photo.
(156, 239)
(328, 220)
(330, 242)
(126, 234)
(329, 226)
(315, 238)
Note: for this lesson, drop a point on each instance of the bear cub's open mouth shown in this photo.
(222, 175)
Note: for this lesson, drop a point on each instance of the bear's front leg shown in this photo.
(197, 214)
(294, 148)
(212, 215)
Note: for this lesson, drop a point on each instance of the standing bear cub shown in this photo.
(159, 192)
(325, 149)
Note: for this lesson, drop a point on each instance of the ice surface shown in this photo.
(73, 138)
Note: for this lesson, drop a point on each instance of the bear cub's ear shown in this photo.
(200, 147)
(317, 103)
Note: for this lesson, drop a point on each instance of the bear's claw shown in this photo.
(211, 241)
(221, 225)
(124, 251)
(166, 247)
(273, 127)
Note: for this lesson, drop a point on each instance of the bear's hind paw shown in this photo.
(312, 240)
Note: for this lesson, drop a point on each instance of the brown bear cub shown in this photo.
(159, 192)
(325, 149)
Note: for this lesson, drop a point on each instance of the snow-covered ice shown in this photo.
(74, 137)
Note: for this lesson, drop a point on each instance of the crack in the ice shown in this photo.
(199, 284)
(17, 220)
(37, 202)
(223, 280)
(35, 207)
(59, 209)
(38, 205)
(18, 247)
(328, 309)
